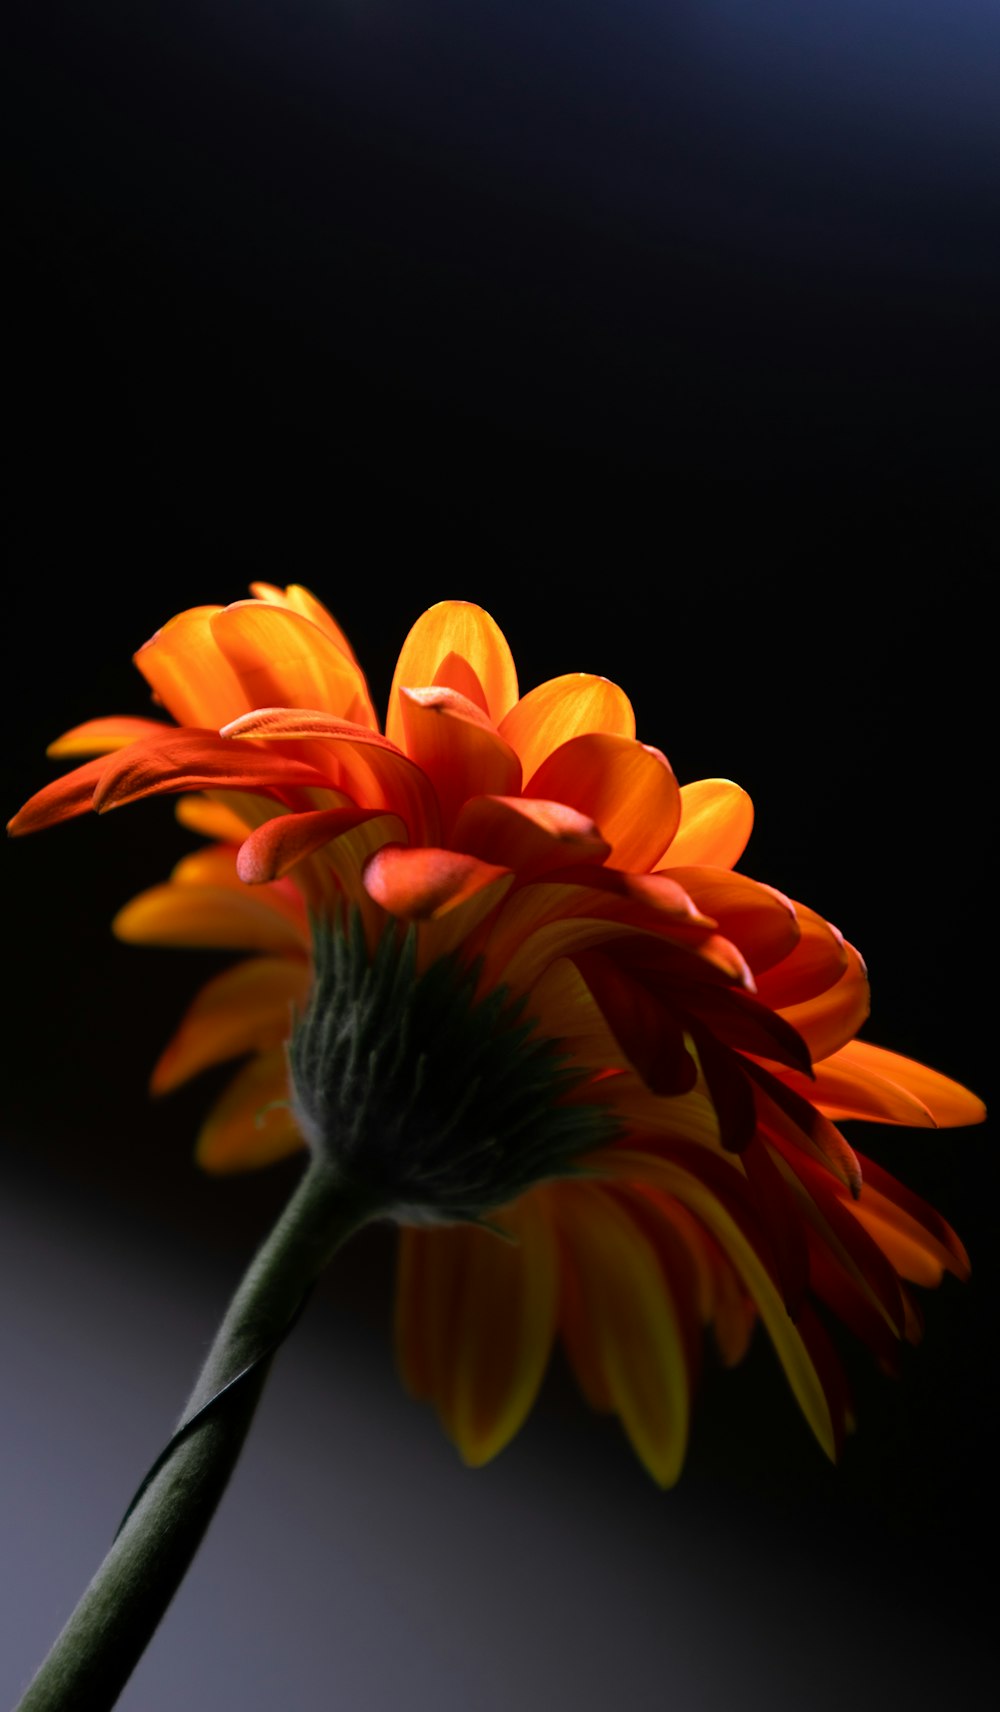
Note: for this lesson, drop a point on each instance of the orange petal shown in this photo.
(716, 822)
(274, 848)
(103, 736)
(246, 1009)
(188, 674)
(629, 1319)
(830, 1020)
(526, 834)
(252, 1125)
(475, 1320)
(815, 964)
(627, 789)
(285, 660)
(304, 602)
(455, 745)
(193, 761)
(447, 637)
(448, 894)
(562, 708)
(895, 1080)
(760, 920)
(370, 769)
(61, 800)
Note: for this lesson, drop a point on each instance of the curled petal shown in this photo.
(193, 761)
(366, 766)
(760, 920)
(475, 1319)
(817, 962)
(275, 847)
(715, 825)
(524, 833)
(830, 1020)
(458, 645)
(627, 789)
(448, 894)
(252, 1124)
(282, 659)
(562, 708)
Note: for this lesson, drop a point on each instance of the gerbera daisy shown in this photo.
(502, 973)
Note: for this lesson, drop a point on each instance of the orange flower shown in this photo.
(704, 1023)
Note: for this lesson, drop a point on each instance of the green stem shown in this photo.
(118, 1614)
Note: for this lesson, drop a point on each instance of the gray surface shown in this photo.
(355, 1564)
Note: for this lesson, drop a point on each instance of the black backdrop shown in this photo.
(662, 332)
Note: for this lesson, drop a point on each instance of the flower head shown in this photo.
(502, 966)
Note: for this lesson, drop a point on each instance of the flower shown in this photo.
(692, 1031)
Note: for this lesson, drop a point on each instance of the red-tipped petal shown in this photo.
(364, 765)
(197, 760)
(276, 846)
(424, 884)
(61, 800)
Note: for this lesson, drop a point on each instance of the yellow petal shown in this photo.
(716, 822)
(475, 1320)
(102, 736)
(213, 818)
(629, 1319)
(217, 917)
(252, 1124)
(792, 1353)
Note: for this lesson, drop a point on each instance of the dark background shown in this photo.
(668, 334)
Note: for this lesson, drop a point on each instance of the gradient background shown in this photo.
(667, 332)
